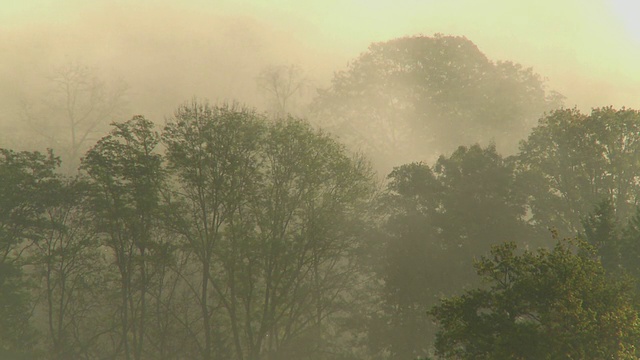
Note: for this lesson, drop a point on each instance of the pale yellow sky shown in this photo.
(589, 49)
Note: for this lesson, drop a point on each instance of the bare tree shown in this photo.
(76, 107)
(282, 85)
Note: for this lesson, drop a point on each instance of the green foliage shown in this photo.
(16, 332)
(630, 247)
(601, 230)
(440, 219)
(557, 304)
(24, 194)
(572, 162)
(252, 237)
(418, 96)
(126, 178)
(213, 152)
(27, 182)
(125, 165)
(275, 208)
(616, 243)
(69, 270)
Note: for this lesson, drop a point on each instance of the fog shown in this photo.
(171, 51)
(198, 227)
(165, 54)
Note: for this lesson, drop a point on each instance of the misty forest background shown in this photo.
(429, 203)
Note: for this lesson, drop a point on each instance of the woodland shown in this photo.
(224, 232)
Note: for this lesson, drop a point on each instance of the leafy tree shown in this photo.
(441, 218)
(617, 243)
(213, 151)
(602, 231)
(127, 176)
(269, 211)
(302, 268)
(412, 97)
(557, 304)
(26, 179)
(630, 247)
(69, 260)
(573, 162)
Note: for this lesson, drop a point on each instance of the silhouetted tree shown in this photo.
(268, 210)
(415, 97)
(127, 176)
(440, 219)
(76, 108)
(573, 162)
(26, 181)
(283, 87)
(602, 231)
(71, 272)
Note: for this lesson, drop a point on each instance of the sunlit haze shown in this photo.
(170, 51)
(319, 179)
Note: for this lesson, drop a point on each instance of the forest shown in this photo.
(311, 232)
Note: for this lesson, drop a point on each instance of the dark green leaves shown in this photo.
(28, 185)
(575, 161)
(540, 305)
(440, 218)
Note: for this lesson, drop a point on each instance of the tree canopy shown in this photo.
(557, 304)
(439, 219)
(412, 98)
(574, 161)
(28, 185)
(226, 233)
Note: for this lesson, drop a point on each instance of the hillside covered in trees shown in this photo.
(223, 232)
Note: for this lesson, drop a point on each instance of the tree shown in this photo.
(411, 98)
(573, 162)
(630, 247)
(602, 231)
(557, 304)
(440, 218)
(282, 85)
(127, 176)
(268, 211)
(301, 268)
(26, 181)
(213, 152)
(616, 243)
(76, 107)
(68, 259)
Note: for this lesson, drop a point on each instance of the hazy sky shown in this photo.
(170, 51)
